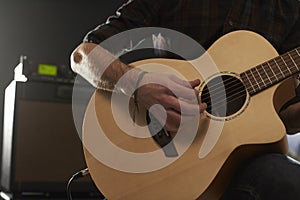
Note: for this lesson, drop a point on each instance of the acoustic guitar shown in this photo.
(241, 121)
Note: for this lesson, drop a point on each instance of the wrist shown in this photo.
(129, 81)
(135, 93)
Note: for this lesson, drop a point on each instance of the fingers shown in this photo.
(194, 83)
(170, 114)
(181, 106)
(181, 98)
(172, 85)
(177, 98)
(171, 119)
(184, 89)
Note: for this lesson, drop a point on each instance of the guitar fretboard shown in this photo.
(271, 72)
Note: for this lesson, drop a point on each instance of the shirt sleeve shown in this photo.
(133, 14)
(293, 38)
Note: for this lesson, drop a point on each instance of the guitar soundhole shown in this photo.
(224, 95)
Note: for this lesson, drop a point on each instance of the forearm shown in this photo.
(101, 68)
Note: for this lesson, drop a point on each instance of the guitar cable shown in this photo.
(75, 176)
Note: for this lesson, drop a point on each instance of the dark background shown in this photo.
(46, 31)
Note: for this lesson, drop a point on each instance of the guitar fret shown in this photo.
(278, 66)
(271, 72)
(274, 75)
(268, 71)
(278, 73)
(250, 81)
(293, 60)
(257, 84)
(264, 75)
(285, 64)
(290, 62)
(247, 83)
(260, 76)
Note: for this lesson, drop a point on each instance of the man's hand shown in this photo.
(177, 97)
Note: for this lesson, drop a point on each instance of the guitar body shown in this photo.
(204, 170)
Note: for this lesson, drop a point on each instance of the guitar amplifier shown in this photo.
(46, 72)
(41, 147)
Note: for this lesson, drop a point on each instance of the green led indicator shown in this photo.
(49, 70)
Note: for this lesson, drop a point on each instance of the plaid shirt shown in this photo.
(206, 20)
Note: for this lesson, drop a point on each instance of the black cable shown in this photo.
(77, 175)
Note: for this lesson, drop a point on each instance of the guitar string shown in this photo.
(276, 75)
(225, 102)
(206, 95)
(231, 99)
(210, 91)
(216, 95)
(221, 89)
(294, 61)
(259, 82)
(231, 96)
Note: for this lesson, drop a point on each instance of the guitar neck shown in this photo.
(271, 72)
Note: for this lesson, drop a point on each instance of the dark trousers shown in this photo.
(270, 176)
